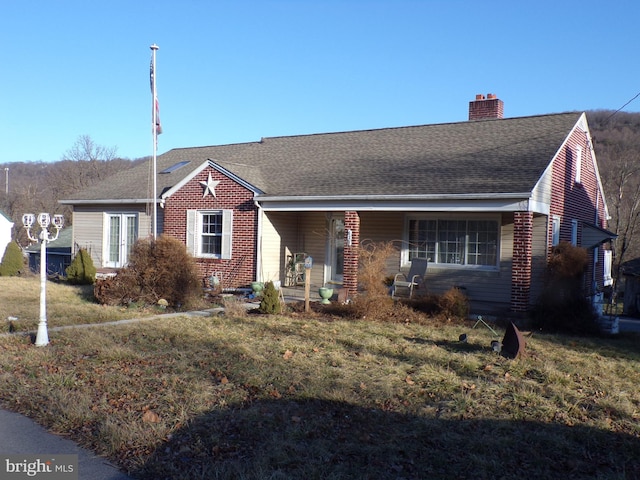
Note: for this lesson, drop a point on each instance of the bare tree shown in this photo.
(85, 149)
(617, 145)
(38, 186)
(622, 184)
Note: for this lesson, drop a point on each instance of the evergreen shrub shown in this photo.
(12, 261)
(270, 301)
(81, 271)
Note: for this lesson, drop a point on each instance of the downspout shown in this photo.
(260, 213)
(596, 252)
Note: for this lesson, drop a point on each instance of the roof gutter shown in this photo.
(324, 198)
(119, 201)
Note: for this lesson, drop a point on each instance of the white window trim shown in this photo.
(578, 164)
(556, 220)
(194, 236)
(574, 232)
(404, 254)
(608, 260)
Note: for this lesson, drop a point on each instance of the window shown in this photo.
(578, 163)
(574, 232)
(555, 231)
(209, 233)
(454, 241)
(175, 166)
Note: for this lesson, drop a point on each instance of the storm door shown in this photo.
(336, 249)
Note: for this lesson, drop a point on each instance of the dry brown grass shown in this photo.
(66, 305)
(319, 397)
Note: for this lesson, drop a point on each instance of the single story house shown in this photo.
(485, 200)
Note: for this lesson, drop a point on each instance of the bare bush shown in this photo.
(160, 269)
(373, 267)
(454, 305)
(234, 307)
(562, 306)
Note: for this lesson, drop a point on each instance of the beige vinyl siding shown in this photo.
(284, 234)
(480, 285)
(272, 250)
(87, 233)
(314, 235)
(379, 227)
(88, 224)
(486, 286)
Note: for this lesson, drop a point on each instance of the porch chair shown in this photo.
(416, 278)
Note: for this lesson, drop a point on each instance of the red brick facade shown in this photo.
(574, 199)
(579, 201)
(522, 258)
(350, 279)
(240, 270)
(482, 108)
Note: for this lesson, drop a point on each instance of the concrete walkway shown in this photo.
(21, 435)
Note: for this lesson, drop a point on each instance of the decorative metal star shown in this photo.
(210, 186)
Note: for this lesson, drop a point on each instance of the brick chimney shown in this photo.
(482, 108)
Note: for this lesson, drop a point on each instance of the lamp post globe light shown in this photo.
(44, 220)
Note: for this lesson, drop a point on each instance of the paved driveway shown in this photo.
(629, 324)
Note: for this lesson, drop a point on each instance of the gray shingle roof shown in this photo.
(478, 157)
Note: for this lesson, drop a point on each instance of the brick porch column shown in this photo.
(522, 258)
(350, 267)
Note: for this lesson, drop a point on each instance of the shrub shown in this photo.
(562, 305)
(81, 271)
(454, 304)
(234, 307)
(270, 302)
(12, 261)
(372, 274)
(157, 269)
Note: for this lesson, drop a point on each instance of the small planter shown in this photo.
(257, 287)
(325, 294)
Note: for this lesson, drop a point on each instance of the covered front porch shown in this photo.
(332, 240)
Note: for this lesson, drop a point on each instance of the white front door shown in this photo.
(122, 232)
(336, 249)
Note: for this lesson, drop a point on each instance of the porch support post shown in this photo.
(351, 244)
(522, 260)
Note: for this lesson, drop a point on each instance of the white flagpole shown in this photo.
(154, 109)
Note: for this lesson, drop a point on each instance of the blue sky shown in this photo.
(232, 71)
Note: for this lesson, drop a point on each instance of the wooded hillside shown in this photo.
(33, 187)
(36, 186)
(616, 141)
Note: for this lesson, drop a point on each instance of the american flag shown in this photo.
(156, 105)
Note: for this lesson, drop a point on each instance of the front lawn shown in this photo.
(309, 397)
